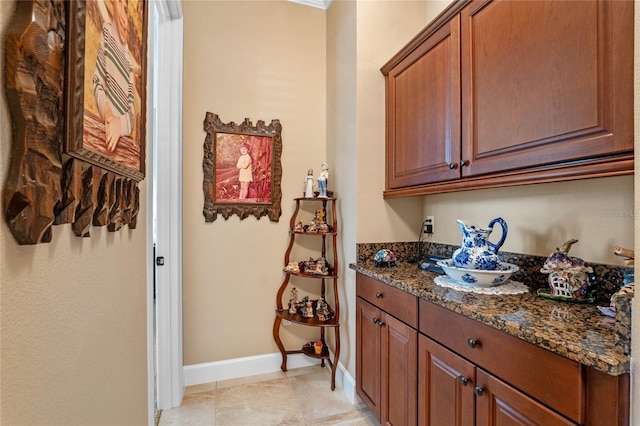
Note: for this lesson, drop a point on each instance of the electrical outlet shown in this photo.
(429, 225)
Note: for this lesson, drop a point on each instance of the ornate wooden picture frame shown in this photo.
(242, 169)
(107, 85)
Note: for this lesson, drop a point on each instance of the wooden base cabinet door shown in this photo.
(368, 355)
(398, 375)
(445, 386)
(499, 404)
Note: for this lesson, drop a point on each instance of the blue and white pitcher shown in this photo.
(477, 252)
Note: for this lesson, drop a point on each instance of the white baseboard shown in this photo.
(260, 364)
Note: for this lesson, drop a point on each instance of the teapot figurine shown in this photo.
(477, 252)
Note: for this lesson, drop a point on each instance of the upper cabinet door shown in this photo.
(545, 82)
(423, 111)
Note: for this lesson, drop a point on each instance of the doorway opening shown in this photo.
(164, 201)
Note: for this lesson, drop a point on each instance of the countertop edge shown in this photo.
(610, 363)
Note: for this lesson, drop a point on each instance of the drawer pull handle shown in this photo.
(472, 343)
(380, 323)
(464, 381)
(478, 390)
(378, 295)
(375, 320)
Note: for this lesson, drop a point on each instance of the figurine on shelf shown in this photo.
(292, 267)
(317, 347)
(319, 266)
(322, 180)
(323, 310)
(293, 301)
(307, 309)
(318, 223)
(308, 191)
(298, 227)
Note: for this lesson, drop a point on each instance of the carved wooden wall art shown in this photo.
(44, 185)
(242, 169)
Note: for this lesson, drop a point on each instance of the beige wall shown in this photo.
(361, 37)
(261, 60)
(73, 319)
(597, 212)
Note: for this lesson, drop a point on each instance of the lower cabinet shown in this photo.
(420, 363)
(386, 363)
(453, 391)
(472, 374)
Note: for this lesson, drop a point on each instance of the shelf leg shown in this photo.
(276, 337)
(336, 356)
(322, 338)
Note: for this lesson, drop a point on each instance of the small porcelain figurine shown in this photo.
(567, 274)
(292, 267)
(323, 310)
(308, 190)
(293, 301)
(307, 310)
(322, 180)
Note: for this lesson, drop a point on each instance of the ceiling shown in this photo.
(320, 4)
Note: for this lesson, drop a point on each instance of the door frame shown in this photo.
(164, 204)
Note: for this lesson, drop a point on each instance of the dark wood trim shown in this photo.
(603, 167)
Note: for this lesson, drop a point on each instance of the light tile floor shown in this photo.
(298, 397)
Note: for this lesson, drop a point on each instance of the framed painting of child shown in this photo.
(242, 168)
(106, 84)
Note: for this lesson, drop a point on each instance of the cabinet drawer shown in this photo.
(398, 303)
(550, 378)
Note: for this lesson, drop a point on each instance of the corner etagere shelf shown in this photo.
(282, 313)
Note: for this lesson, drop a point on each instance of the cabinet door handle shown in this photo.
(464, 381)
(375, 320)
(453, 165)
(478, 390)
(464, 163)
(472, 343)
(380, 323)
(378, 295)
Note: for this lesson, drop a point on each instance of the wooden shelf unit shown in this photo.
(282, 312)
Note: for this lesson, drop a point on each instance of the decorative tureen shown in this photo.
(567, 274)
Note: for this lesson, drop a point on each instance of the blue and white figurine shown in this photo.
(322, 180)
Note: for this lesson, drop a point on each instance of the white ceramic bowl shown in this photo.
(478, 277)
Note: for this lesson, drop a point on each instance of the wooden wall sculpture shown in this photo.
(45, 187)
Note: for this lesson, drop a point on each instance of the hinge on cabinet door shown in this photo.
(160, 260)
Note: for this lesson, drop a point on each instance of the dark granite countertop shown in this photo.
(579, 332)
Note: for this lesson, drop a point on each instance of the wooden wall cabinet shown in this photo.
(386, 349)
(499, 93)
